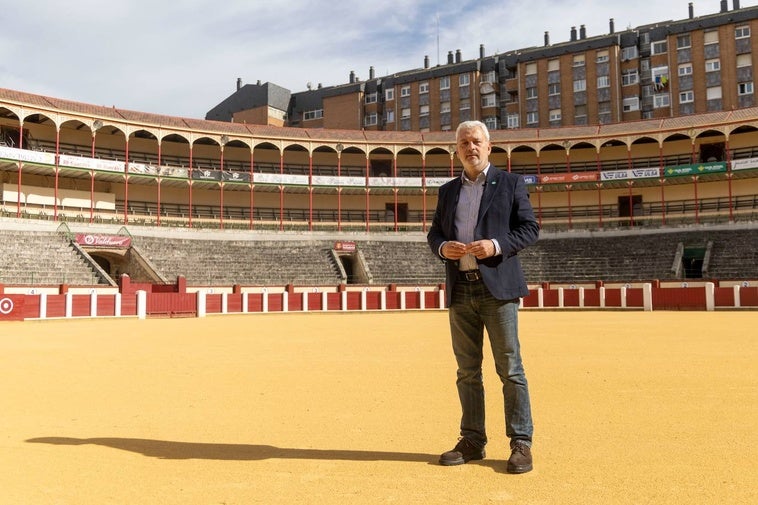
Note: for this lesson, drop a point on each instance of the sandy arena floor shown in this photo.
(348, 408)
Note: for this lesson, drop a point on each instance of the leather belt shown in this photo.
(470, 275)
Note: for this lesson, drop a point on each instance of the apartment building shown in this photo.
(664, 69)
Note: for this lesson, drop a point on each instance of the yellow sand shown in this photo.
(629, 408)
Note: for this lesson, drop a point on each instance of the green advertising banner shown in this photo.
(695, 169)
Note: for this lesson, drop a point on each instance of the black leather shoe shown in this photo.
(521, 459)
(463, 452)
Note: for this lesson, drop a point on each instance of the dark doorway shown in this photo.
(630, 207)
(402, 212)
(692, 262)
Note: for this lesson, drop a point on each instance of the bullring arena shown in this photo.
(630, 408)
(204, 312)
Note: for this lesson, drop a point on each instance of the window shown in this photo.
(423, 88)
(313, 114)
(531, 92)
(464, 79)
(685, 69)
(629, 77)
(578, 60)
(405, 91)
(464, 104)
(389, 116)
(489, 77)
(711, 37)
(553, 89)
(580, 111)
(371, 97)
(580, 85)
(603, 81)
(742, 32)
(531, 69)
(445, 107)
(744, 60)
(683, 41)
(631, 103)
(601, 56)
(555, 115)
(423, 110)
(491, 123)
(659, 47)
(712, 65)
(370, 119)
(532, 118)
(553, 65)
(389, 94)
(513, 120)
(686, 97)
(661, 100)
(713, 93)
(489, 100)
(660, 77)
(445, 82)
(745, 88)
(629, 53)
(405, 113)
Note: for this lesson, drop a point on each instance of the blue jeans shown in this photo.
(472, 310)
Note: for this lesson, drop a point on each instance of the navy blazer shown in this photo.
(506, 215)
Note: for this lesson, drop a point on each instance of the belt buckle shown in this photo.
(472, 275)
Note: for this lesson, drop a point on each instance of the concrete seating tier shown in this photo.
(38, 258)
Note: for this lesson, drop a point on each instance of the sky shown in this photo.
(183, 57)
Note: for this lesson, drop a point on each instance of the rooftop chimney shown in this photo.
(239, 83)
(547, 38)
(352, 76)
(457, 55)
(426, 61)
(724, 5)
(481, 51)
(449, 57)
(573, 33)
(582, 32)
(371, 72)
(692, 11)
(612, 26)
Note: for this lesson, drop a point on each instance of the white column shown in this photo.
(117, 305)
(224, 302)
(201, 303)
(42, 305)
(647, 296)
(421, 299)
(141, 304)
(343, 300)
(623, 297)
(244, 303)
(581, 297)
(305, 301)
(737, 302)
(710, 296)
(69, 304)
(93, 303)
(560, 297)
(363, 299)
(540, 297)
(285, 302)
(383, 299)
(602, 297)
(265, 300)
(324, 301)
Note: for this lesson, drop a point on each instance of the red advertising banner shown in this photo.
(345, 246)
(568, 178)
(94, 240)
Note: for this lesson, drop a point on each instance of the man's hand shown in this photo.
(454, 250)
(481, 249)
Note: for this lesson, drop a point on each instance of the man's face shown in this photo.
(473, 150)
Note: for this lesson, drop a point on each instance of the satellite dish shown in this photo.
(486, 88)
(309, 85)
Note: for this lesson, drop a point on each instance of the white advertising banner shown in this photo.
(745, 164)
(41, 157)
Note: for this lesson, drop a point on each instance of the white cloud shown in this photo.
(183, 57)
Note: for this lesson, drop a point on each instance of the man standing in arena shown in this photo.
(483, 219)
